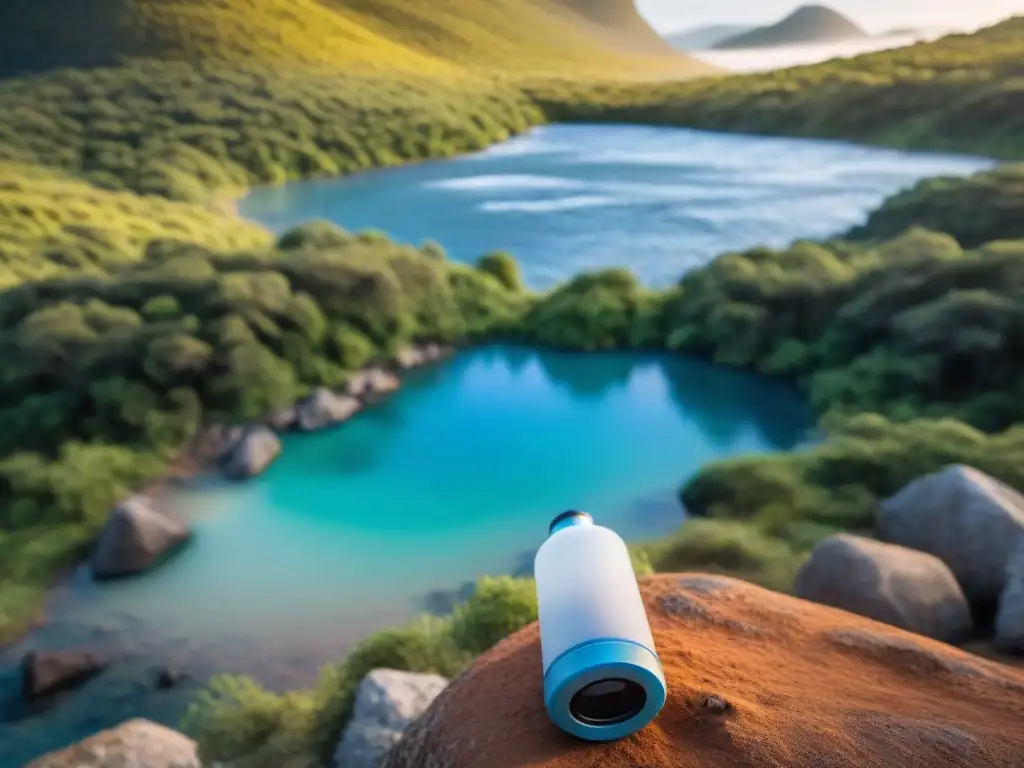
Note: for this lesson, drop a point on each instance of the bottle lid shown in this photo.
(572, 517)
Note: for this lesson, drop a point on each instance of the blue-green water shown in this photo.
(459, 473)
(454, 477)
(569, 198)
(354, 528)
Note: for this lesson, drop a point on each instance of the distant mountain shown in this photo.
(809, 24)
(702, 38)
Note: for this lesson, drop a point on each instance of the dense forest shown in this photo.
(961, 93)
(134, 308)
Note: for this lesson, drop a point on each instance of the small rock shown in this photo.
(410, 357)
(970, 521)
(45, 673)
(169, 677)
(283, 419)
(437, 352)
(372, 384)
(387, 701)
(134, 539)
(715, 703)
(216, 441)
(256, 451)
(324, 408)
(133, 744)
(898, 586)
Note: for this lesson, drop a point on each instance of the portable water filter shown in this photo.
(602, 676)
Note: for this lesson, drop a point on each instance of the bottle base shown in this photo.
(604, 690)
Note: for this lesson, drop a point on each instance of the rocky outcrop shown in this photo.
(967, 519)
(386, 703)
(214, 442)
(256, 449)
(283, 419)
(372, 385)
(134, 539)
(45, 673)
(323, 408)
(755, 679)
(133, 744)
(1010, 618)
(908, 589)
(411, 357)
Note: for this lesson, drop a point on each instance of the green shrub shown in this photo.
(351, 348)
(728, 547)
(503, 268)
(313, 234)
(602, 310)
(497, 608)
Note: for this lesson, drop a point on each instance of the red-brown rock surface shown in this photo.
(804, 685)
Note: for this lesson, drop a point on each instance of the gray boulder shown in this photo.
(1010, 617)
(132, 744)
(387, 702)
(45, 673)
(410, 357)
(435, 352)
(252, 454)
(324, 408)
(134, 539)
(970, 521)
(216, 441)
(371, 384)
(898, 586)
(283, 419)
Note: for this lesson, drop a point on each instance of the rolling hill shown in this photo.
(421, 36)
(702, 38)
(809, 24)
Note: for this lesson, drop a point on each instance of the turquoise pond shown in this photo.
(458, 474)
(363, 526)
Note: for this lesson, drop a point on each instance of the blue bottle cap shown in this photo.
(572, 517)
(603, 690)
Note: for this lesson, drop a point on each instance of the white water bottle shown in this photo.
(602, 676)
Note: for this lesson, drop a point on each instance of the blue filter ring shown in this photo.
(604, 690)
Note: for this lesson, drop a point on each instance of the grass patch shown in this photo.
(726, 547)
(236, 719)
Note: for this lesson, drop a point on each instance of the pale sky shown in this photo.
(873, 15)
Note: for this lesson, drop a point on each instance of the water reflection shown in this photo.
(725, 402)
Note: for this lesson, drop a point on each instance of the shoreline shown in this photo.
(198, 458)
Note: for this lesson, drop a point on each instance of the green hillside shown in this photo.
(51, 224)
(809, 24)
(402, 36)
(961, 93)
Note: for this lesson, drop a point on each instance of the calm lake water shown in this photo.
(566, 199)
(360, 527)
(458, 475)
